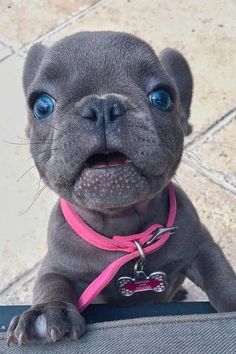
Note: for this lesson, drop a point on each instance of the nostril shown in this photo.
(116, 110)
(89, 113)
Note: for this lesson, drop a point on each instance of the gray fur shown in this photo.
(90, 72)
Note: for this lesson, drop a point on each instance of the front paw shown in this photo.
(47, 322)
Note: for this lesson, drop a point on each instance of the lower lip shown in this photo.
(113, 178)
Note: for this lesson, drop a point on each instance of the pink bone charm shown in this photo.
(155, 282)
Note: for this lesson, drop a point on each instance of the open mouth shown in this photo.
(106, 159)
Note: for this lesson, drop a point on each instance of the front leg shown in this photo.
(213, 274)
(53, 316)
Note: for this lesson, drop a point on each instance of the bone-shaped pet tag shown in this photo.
(156, 281)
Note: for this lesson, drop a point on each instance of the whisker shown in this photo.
(33, 142)
(34, 200)
(26, 143)
(22, 138)
(177, 182)
(34, 165)
(53, 127)
(193, 157)
(15, 143)
(194, 154)
(39, 182)
(29, 169)
(41, 152)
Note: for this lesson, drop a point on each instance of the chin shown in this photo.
(110, 191)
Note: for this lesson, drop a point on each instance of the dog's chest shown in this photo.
(160, 270)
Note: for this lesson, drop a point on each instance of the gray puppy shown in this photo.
(107, 120)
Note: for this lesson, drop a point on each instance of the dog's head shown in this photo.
(107, 117)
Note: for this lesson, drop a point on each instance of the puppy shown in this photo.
(107, 120)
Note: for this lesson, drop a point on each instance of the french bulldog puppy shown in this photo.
(107, 120)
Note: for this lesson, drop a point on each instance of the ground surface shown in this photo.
(204, 31)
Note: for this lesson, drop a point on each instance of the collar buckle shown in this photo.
(158, 232)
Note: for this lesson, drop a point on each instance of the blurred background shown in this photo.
(204, 31)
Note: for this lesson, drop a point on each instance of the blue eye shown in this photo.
(43, 106)
(161, 99)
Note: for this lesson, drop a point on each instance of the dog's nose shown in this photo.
(103, 111)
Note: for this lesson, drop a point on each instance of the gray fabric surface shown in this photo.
(192, 334)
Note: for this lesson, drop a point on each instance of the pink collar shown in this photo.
(116, 244)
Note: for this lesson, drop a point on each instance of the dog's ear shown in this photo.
(177, 68)
(32, 63)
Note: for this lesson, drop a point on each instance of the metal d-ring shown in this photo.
(141, 261)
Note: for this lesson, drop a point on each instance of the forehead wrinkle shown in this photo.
(88, 51)
(92, 70)
(54, 67)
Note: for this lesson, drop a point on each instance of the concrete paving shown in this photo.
(205, 32)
